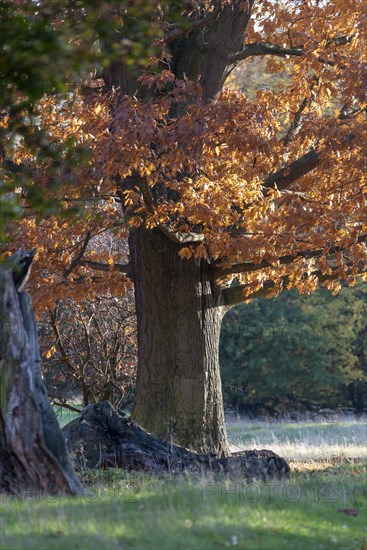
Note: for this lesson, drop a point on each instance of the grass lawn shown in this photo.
(64, 416)
(322, 506)
(299, 441)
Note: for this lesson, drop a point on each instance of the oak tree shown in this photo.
(223, 196)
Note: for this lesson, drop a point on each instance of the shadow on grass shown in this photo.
(207, 517)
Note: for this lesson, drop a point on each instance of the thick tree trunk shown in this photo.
(33, 455)
(179, 392)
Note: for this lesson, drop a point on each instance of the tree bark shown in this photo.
(179, 394)
(33, 455)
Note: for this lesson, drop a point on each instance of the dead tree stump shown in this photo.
(33, 456)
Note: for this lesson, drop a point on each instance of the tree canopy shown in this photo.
(271, 191)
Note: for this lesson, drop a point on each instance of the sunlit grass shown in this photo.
(322, 506)
(140, 511)
(300, 441)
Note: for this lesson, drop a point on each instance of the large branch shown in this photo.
(265, 48)
(99, 266)
(284, 177)
(249, 267)
(125, 444)
(296, 122)
(235, 295)
(292, 172)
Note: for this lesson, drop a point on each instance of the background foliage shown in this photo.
(296, 352)
(289, 354)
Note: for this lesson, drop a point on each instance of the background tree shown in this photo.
(223, 198)
(347, 344)
(296, 353)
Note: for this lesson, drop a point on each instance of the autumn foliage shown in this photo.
(271, 191)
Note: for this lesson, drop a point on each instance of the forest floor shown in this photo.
(322, 506)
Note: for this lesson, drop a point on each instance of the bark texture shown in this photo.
(179, 394)
(103, 437)
(33, 454)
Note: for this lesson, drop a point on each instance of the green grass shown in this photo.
(303, 440)
(140, 511)
(64, 416)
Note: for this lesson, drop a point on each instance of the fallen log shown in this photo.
(105, 437)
